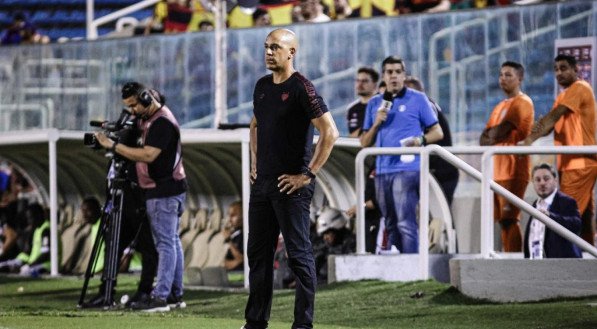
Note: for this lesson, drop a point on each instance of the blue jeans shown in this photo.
(164, 214)
(398, 195)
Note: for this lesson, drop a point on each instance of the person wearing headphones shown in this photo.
(162, 177)
(135, 233)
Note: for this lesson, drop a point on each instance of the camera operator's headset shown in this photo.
(146, 97)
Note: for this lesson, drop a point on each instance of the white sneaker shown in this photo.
(392, 251)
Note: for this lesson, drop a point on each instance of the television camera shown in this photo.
(124, 130)
(118, 130)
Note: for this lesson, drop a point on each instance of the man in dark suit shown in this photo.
(540, 241)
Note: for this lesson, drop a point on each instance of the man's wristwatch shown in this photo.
(113, 148)
(307, 172)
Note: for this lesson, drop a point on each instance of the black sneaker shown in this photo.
(151, 305)
(175, 302)
(138, 297)
(98, 301)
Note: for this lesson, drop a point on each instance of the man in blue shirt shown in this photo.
(399, 118)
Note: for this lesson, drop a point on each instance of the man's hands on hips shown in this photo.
(253, 174)
(290, 183)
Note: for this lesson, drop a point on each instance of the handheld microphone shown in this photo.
(386, 103)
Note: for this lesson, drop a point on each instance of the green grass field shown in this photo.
(51, 303)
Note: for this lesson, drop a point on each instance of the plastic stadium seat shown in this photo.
(40, 16)
(75, 16)
(60, 16)
(68, 33)
(197, 254)
(217, 249)
(68, 2)
(54, 34)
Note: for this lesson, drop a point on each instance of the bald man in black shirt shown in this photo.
(283, 171)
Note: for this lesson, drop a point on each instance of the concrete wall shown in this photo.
(520, 280)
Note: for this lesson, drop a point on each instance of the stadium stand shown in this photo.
(67, 18)
(64, 18)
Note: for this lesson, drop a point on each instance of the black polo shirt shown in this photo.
(284, 131)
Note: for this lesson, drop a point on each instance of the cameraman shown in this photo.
(135, 229)
(161, 175)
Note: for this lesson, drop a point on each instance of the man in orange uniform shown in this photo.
(509, 123)
(572, 119)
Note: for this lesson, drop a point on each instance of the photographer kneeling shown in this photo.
(161, 176)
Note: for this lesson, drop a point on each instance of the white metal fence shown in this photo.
(487, 185)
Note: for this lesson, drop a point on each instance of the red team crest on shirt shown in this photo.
(284, 96)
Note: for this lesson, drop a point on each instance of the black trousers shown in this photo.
(272, 212)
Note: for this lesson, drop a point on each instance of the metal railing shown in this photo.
(423, 192)
(487, 184)
(16, 115)
(92, 24)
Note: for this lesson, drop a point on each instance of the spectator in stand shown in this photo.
(399, 118)
(372, 8)
(509, 123)
(156, 23)
(311, 11)
(31, 36)
(365, 86)
(203, 10)
(22, 31)
(14, 34)
(338, 240)
(206, 26)
(479, 4)
(540, 241)
(261, 18)
(417, 6)
(240, 14)
(280, 11)
(338, 9)
(445, 173)
(178, 17)
(572, 118)
(233, 232)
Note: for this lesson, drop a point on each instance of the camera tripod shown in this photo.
(109, 232)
